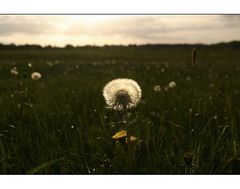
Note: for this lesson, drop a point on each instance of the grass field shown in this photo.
(59, 124)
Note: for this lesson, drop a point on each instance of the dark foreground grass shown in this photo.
(59, 124)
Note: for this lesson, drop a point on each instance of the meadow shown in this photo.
(59, 124)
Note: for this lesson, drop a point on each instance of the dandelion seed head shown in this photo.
(157, 88)
(122, 94)
(29, 65)
(172, 84)
(36, 75)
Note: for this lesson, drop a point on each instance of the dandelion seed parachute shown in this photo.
(172, 84)
(36, 75)
(122, 94)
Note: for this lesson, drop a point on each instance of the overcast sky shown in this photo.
(116, 29)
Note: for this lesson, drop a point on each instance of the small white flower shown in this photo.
(172, 84)
(122, 94)
(157, 88)
(36, 75)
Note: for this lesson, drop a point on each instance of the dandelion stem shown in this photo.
(129, 146)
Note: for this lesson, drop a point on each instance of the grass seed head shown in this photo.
(194, 53)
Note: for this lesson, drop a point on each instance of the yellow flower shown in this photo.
(119, 135)
(132, 139)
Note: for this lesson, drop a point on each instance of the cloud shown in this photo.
(232, 21)
(124, 29)
(31, 25)
(150, 27)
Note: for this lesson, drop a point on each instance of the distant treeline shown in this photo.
(232, 44)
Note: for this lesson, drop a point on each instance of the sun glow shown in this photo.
(59, 30)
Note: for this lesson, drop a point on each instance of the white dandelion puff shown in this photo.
(172, 84)
(29, 65)
(36, 75)
(122, 94)
(157, 88)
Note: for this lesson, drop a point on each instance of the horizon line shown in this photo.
(124, 45)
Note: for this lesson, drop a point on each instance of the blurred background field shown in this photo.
(59, 124)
